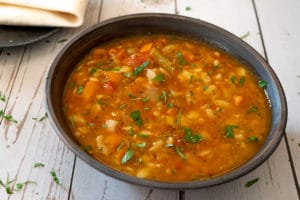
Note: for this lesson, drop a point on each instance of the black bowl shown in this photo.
(108, 30)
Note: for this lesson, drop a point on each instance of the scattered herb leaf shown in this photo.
(229, 131)
(141, 145)
(191, 79)
(92, 70)
(188, 8)
(145, 99)
(86, 147)
(2, 97)
(170, 105)
(252, 139)
(160, 78)
(205, 87)
(178, 118)
(127, 156)
(242, 80)
(213, 69)
(180, 58)
(79, 89)
(180, 153)
(252, 109)
(251, 182)
(136, 117)
(190, 137)
(122, 106)
(245, 35)
(142, 135)
(130, 131)
(232, 79)
(140, 68)
(41, 118)
(19, 186)
(163, 96)
(262, 83)
(36, 165)
(121, 145)
(55, 178)
(7, 117)
(72, 121)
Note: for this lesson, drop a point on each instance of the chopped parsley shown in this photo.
(188, 8)
(36, 165)
(252, 139)
(10, 189)
(229, 131)
(262, 83)
(127, 156)
(190, 137)
(136, 117)
(245, 35)
(180, 58)
(242, 80)
(19, 186)
(142, 135)
(191, 79)
(86, 148)
(55, 178)
(205, 87)
(252, 109)
(92, 70)
(160, 78)
(140, 68)
(232, 79)
(121, 145)
(180, 153)
(251, 182)
(141, 145)
(7, 117)
(79, 89)
(163, 96)
(40, 119)
(2, 97)
(130, 131)
(178, 118)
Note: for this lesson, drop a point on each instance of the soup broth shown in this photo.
(166, 108)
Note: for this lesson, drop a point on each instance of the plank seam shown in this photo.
(72, 176)
(285, 135)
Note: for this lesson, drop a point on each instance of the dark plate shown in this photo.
(20, 35)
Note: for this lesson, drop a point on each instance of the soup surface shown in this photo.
(166, 108)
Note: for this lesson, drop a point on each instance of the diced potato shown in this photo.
(221, 103)
(241, 71)
(156, 145)
(205, 77)
(238, 100)
(170, 121)
(143, 172)
(150, 73)
(209, 113)
(193, 115)
(90, 89)
(184, 76)
(78, 119)
(111, 124)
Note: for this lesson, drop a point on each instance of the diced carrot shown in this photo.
(188, 56)
(238, 100)
(114, 77)
(146, 47)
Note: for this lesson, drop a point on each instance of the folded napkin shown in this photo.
(59, 13)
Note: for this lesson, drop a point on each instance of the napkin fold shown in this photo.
(58, 13)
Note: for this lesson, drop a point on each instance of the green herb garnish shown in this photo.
(2, 97)
(163, 96)
(142, 135)
(145, 99)
(205, 87)
(190, 137)
(120, 145)
(245, 35)
(229, 131)
(170, 105)
(160, 78)
(87, 148)
(122, 106)
(180, 153)
(79, 89)
(40, 119)
(178, 118)
(252, 139)
(242, 80)
(7, 117)
(262, 83)
(36, 165)
(251, 182)
(72, 121)
(141, 145)
(140, 68)
(180, 58)
(130, 131)
(127, 156)
(232, 79)
(252, 109)
(92, 70)
(19, 186)
(55, 178)
(188, 8)
(136, 116)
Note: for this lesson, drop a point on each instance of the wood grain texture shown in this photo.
(282, 41)
(23, 72)
(239, 18)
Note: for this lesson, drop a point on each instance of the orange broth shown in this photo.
(166, 108)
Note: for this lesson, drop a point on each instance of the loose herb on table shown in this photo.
(55, 178)
(7, 117)
(251, 182)
(38, 164)
(40, 119)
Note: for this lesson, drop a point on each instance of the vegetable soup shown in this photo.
(166, 108)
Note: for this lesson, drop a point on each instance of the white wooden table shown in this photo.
(274, 31)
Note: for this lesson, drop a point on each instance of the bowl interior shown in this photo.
(170, 24)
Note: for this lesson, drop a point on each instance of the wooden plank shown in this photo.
(239, 18)
(88, 181)
(23, 73)
(281, 36)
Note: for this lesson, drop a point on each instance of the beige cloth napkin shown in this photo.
(61, 13)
